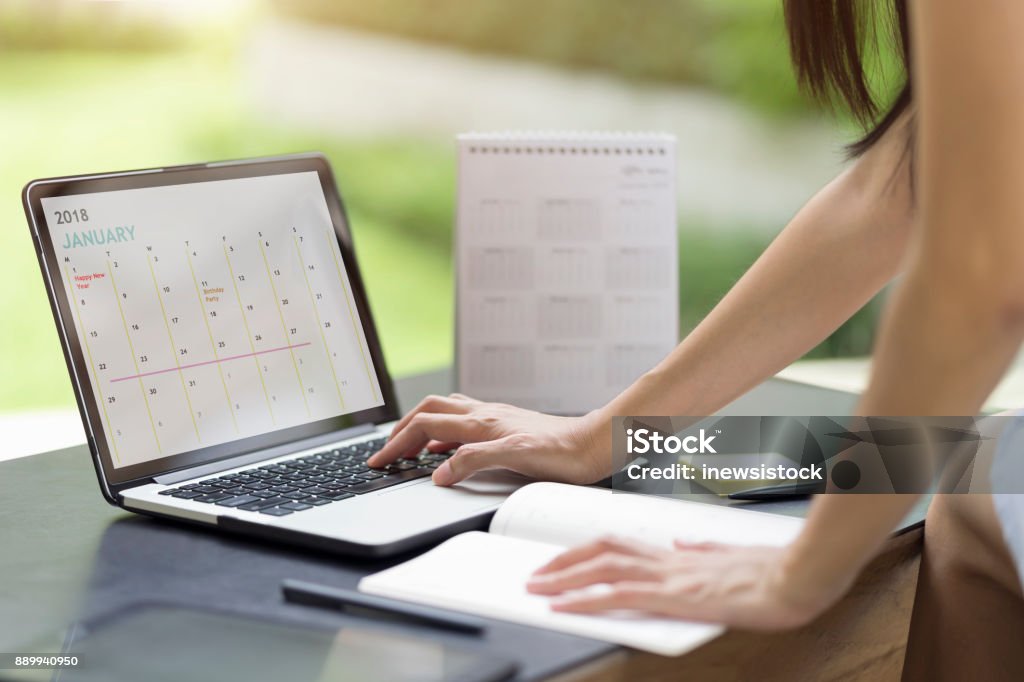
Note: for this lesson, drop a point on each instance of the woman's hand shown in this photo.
(498, 436)
(747, 587)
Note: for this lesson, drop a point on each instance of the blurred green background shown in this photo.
(91, 86)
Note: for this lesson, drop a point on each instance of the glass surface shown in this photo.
(168, 643)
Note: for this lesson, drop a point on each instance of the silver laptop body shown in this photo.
(224, 359)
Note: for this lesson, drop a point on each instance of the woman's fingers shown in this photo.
(637, 596)
(473, 457)
(590, 550)
(607, 568)
(516, 452)
(437, 446)
(456, 403)
(702, 546)
(424, 427)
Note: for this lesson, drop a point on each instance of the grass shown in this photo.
(68, 112)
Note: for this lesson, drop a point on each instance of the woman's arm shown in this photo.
(950, 333)
(958, 320)
(842, 247)
(835, 254)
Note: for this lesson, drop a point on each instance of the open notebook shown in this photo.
(486, 573)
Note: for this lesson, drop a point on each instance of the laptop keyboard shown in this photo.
(306, 482)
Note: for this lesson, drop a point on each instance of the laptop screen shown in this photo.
(210, 312)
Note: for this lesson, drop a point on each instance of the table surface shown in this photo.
(67, 555)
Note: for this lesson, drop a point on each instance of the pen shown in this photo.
(777, 492)
(351, 601)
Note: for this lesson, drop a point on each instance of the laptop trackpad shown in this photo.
(406, 510)
(492, 483)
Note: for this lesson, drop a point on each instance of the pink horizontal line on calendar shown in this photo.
(209, 362)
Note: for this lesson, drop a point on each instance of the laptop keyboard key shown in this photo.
(212, 497)
(276, 511)
(387, 481)
(296, 506)
(238, 501)
(183, 494)
(404, 464)
(256, 486)
(263, 504)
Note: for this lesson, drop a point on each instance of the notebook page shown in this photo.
(567, 265)
(566, 515)
(486, 575)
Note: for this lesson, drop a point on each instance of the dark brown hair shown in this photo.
(828, 41)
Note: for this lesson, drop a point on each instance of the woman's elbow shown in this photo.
(973, 249)
(989, 289)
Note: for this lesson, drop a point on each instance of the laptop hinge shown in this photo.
(249, 458)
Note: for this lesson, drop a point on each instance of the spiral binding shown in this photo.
(568, 143)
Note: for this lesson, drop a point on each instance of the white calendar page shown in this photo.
(211, 311)
(567, 277)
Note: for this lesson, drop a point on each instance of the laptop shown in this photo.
(225, 361)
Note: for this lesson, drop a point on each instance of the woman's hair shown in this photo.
(828, 40)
